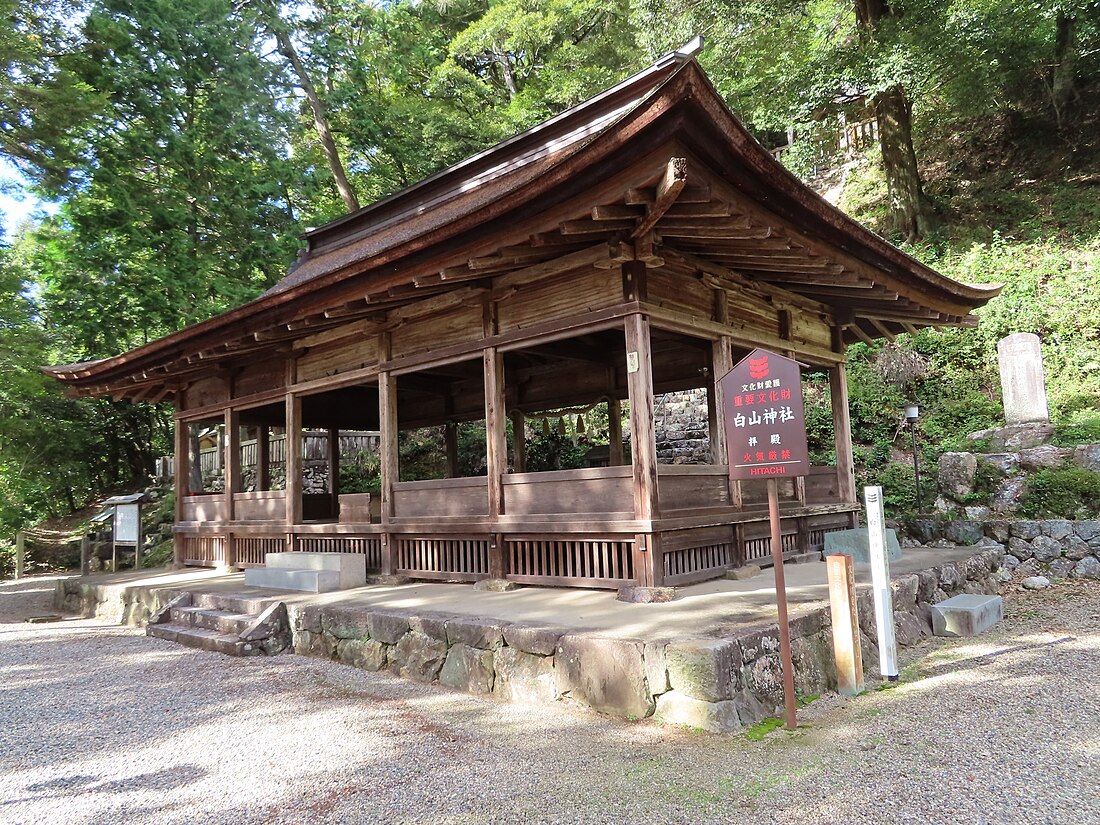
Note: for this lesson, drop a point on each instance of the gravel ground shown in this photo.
(99, 724)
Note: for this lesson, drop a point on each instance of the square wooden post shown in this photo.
(182, 478)
(334, 470)
(643, 446)
(614, 432)
(842, 433)
(232, 477)
(263, 457)
(387, 451)
(450, 449)
(519, 441)
(293, 460)
(496, 451)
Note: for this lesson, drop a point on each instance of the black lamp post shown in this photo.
(912, 415)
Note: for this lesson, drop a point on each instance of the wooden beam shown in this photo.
(587, 226)
(696, 193)
(861, 335)
(668, 189)
(881, 327)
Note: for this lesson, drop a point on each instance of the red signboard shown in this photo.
(765, 417)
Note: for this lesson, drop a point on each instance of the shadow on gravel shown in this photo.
(986, 659)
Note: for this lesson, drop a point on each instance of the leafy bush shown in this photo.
(1067, 492)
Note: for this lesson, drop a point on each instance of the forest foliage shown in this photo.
(184, 146)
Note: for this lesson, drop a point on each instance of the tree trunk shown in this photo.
(910, 211)
(1063, 83)
(320, 120)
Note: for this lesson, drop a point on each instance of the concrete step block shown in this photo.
(351, 567)
(308, 581)
(967, 614)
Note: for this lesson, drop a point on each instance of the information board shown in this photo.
(765, 418)
(126, 523)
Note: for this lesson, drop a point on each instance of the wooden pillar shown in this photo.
(20, 554)
(842, 427)
(232, 476)
(293, 460)
(182, 473)
(263, 457)
(639, 383)
(387, 452)
(615, 432)
(334, 470)
(85, 553)
(450, 448)
(496, 450)
(519, 441)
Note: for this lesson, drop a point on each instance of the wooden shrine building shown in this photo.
(636, 244)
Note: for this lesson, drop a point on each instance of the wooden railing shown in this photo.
(604, 490)
(441, 498)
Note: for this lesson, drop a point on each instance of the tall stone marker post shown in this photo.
(1023, 382)
(765, 441)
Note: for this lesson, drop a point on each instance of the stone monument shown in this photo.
(1023, 382)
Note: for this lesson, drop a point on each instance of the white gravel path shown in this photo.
(99, 724)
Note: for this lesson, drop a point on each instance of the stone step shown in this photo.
(204, 639)
(249, 603)
(220, 620)
(308, 581)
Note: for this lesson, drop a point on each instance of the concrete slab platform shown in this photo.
(710, 609)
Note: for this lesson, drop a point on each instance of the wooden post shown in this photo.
(842, 607)
(263, 457)
(721, 363)
(85, 552)
(182, 478)
(842, 433)
(519, 441)
(643, 445)
(139, 548)
(781, 604)
(232, 427)
(334, 470)
(450, 448)
(293, 460)
(20, 554)
(615, 432)
(496, 450)
(387, 450)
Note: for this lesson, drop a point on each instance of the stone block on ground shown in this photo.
(745, 571)
(366, 655)
(646, 595)
(675, 708)
(388, 627)
(857, 544)
(524, 677)
(1035, 583)
(468, 669)
(966, 615)
(956, 474)
(541, 640)
(486, 634)
(494, 585)
(418, 657)
(1086, 568)
(704, 669)
(605, 674)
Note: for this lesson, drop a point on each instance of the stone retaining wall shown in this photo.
(717, 683)
(119, 604)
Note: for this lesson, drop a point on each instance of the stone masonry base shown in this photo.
(715, 684)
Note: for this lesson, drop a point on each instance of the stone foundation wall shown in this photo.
(717, 684)
(110, 603)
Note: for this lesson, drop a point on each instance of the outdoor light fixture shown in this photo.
(912, 415)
